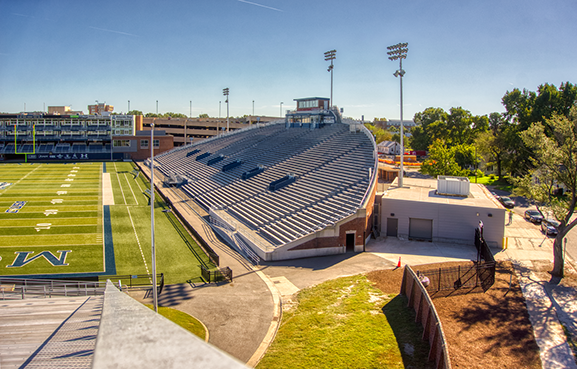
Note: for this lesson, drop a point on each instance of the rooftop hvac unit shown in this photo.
(454, 186)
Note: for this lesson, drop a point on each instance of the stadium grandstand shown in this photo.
(299, 187)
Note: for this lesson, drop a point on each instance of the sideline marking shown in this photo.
(138, 241)
(130, 186)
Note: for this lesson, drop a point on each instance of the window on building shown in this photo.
(156, 143)
(144, 144)
(122, 143)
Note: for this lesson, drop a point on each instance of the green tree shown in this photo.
(492, 145)
(153, 115)
(174, 115)
(555, 162)
(203, 115)
(441, 161)
(457, 127)
(134, 112)
(379, 133)
(523, 108)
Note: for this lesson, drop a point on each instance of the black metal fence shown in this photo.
(216, 275)
(480, 273)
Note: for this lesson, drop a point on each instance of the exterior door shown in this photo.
(392, 227)
(350, 241)
(421, 229)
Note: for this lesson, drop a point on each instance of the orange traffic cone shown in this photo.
(399, 263)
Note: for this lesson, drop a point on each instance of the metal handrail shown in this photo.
(12, 288)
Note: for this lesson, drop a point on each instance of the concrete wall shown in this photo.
(133, 336)
(452, 223)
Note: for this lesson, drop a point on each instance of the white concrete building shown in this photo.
(418, 211)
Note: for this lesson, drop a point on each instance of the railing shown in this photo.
(426, 314)
(135, 281)
(20, 288)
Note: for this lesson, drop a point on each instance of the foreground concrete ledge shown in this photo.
(133, 336)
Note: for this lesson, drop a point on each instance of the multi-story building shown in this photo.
(39, 136)
(63, 110)
(185, 130)
(100, 109)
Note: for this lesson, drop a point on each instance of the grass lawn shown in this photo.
(503, 185)
(346, 323)
(182, 319)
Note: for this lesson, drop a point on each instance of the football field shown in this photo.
(88, 219)
(51, 219)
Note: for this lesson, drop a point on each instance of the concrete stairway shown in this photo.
(49, 333)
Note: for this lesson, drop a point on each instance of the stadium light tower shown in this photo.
(399, 51)
(331, 55)
(225, 93)
(154, 290)
(281, 109)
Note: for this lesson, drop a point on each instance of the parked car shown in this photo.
(507, 202)
(550, 227)
(494, 194)
(534, 216)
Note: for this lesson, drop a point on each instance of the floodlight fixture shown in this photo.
(399, 52)
(225, 92)
(331, 55)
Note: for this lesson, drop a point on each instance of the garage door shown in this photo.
(421, 229)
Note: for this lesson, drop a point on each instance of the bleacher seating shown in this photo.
(332, 167)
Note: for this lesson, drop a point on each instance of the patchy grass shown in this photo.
(343, 323)
(184, 320)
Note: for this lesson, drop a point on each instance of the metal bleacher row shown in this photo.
(332, 166)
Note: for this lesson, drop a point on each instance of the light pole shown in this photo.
(252, 112)
(129, 105)
(399, 51)
(331, 55)
(156, 107)
(154, 290)
(225, 93)
(281, 109)
(218, 121)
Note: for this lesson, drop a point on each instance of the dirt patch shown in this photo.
(483, 330)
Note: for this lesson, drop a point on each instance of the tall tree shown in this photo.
(457, 127)
(555, 161)
(493, 146)
(524, 108)
(441, 161)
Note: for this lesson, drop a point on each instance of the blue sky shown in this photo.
(461, 53)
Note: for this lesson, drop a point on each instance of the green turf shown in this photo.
(57, 218)
(177, 254)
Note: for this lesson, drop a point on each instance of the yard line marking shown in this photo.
(129, 185)
(20, 180)
(120, 185)
(138, 241)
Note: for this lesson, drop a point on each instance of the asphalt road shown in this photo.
(522, 204)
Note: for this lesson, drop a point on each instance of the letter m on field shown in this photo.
(23, 259)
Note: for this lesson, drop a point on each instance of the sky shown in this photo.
(461, 54)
